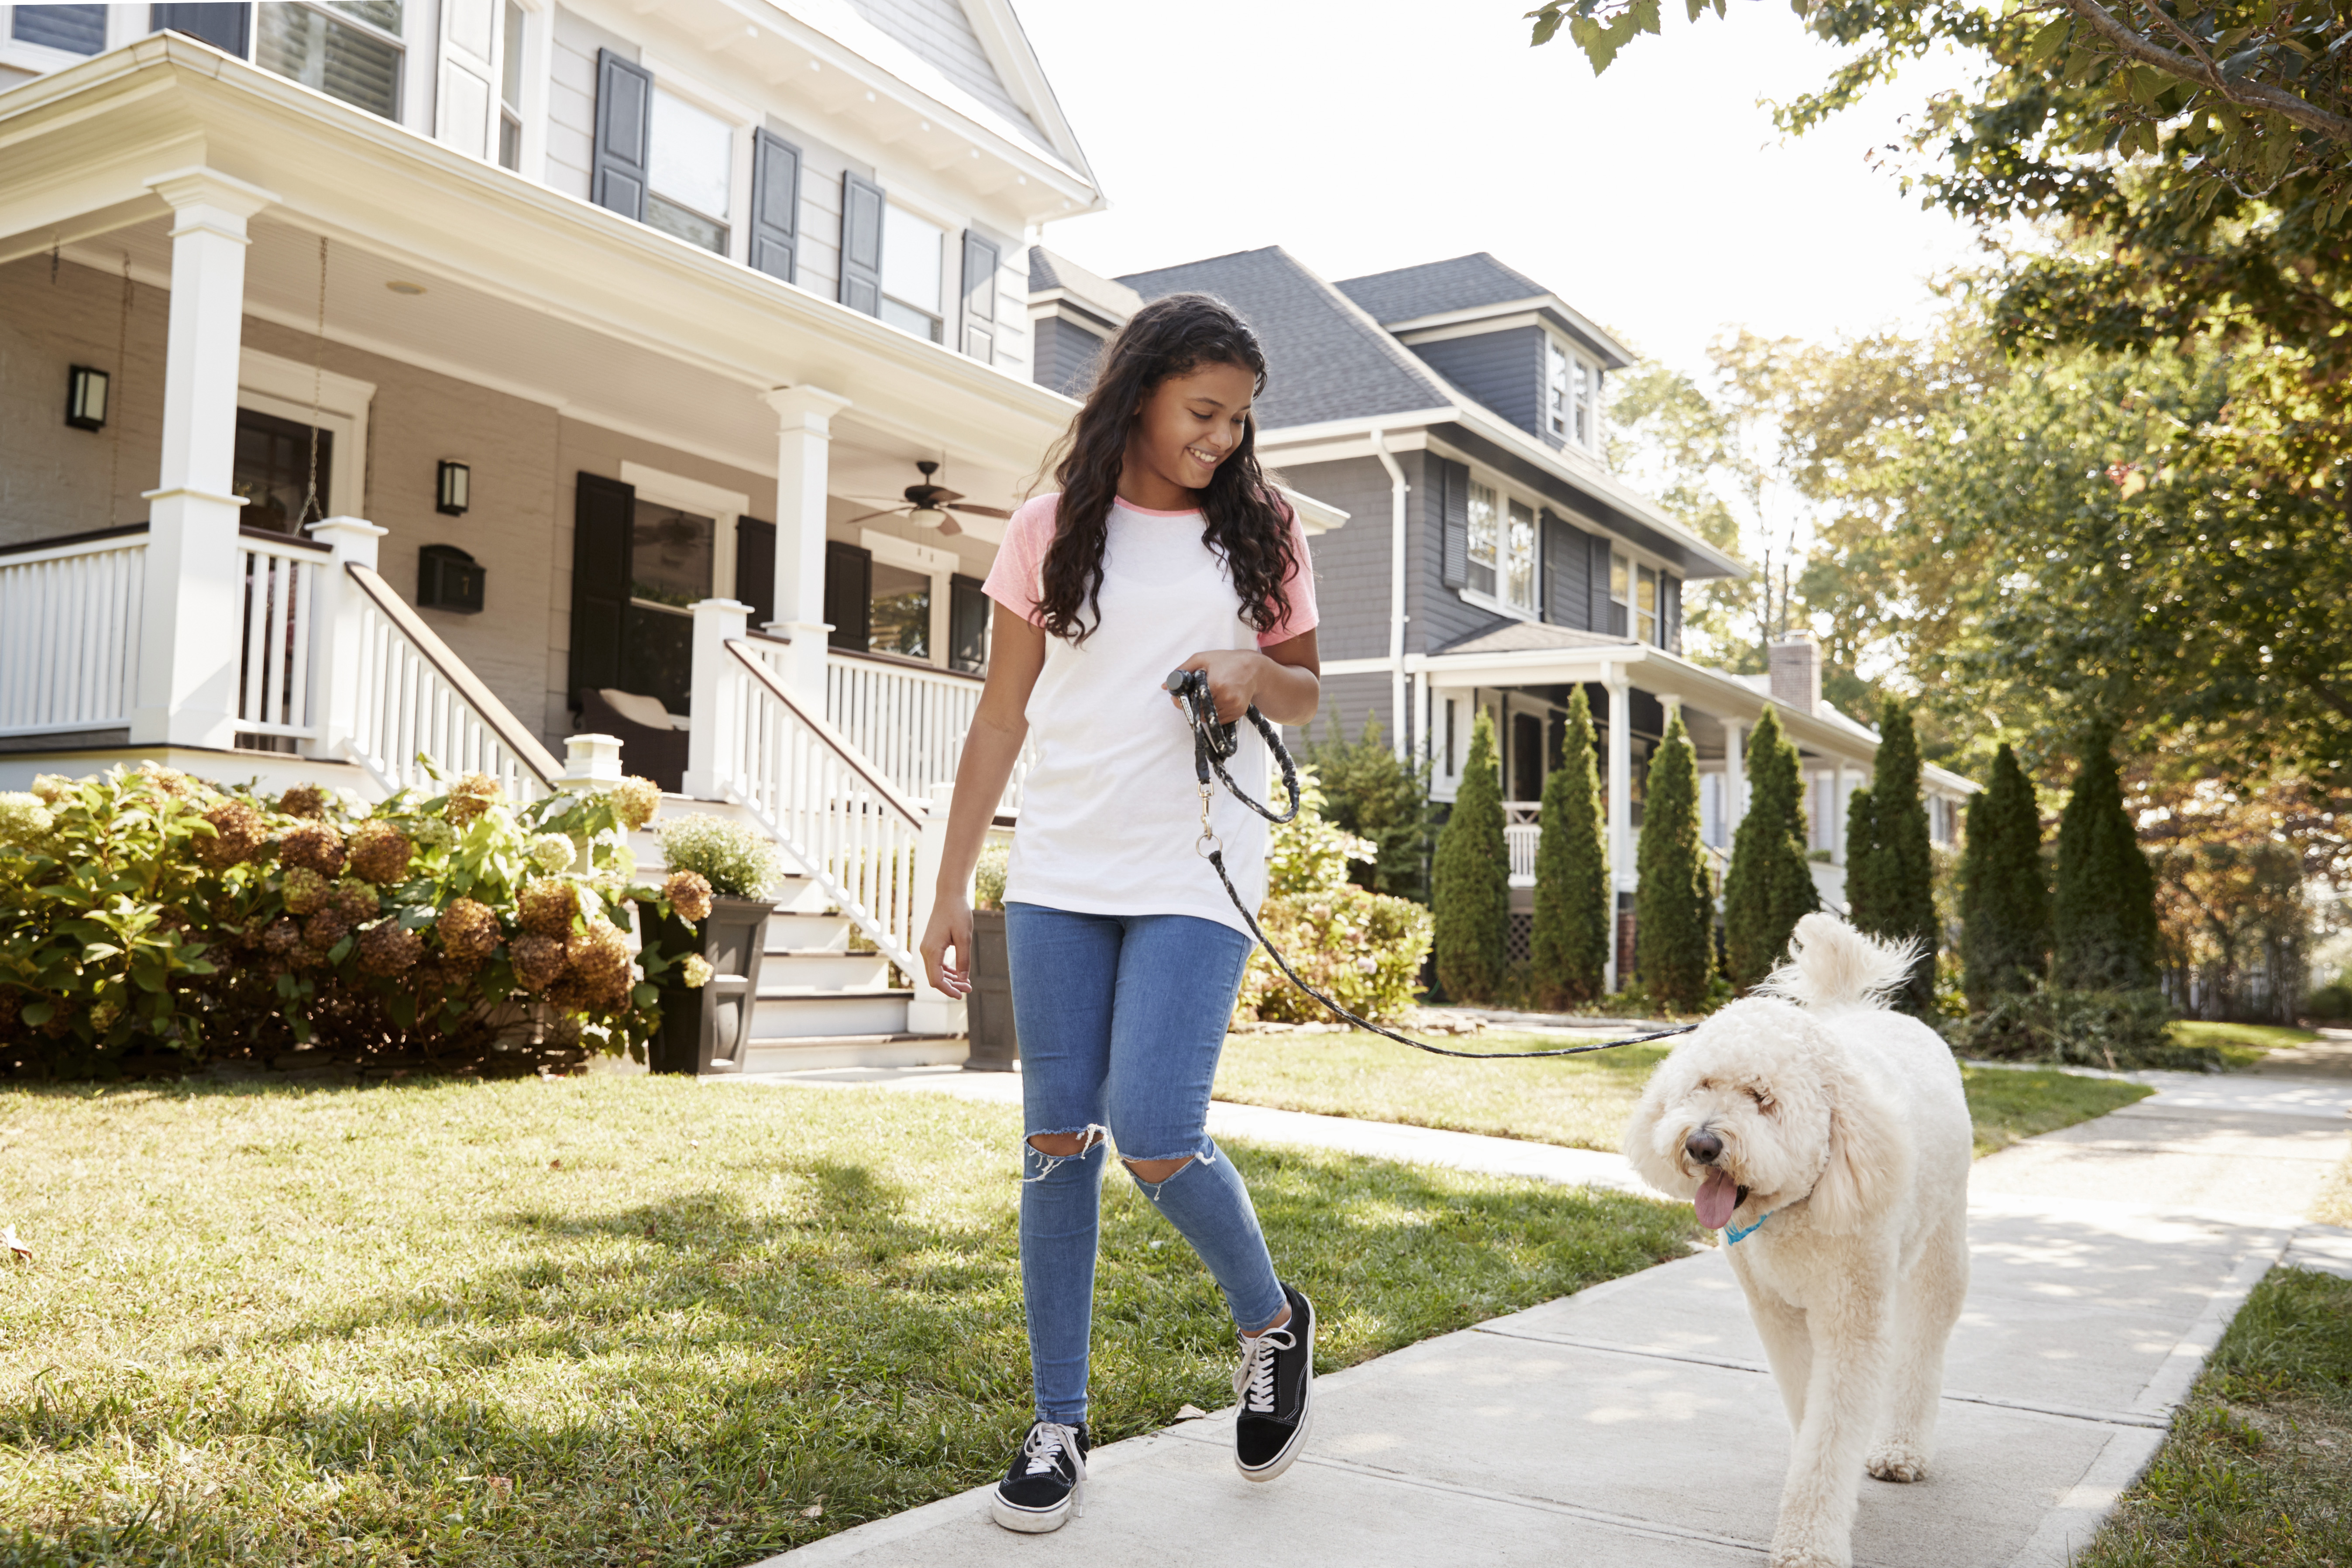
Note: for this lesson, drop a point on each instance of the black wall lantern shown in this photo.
(455, 490)
(449, 579)
(86, 390)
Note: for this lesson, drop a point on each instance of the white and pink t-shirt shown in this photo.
(1109, 814)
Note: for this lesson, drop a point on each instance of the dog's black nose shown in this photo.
(1703, 1146)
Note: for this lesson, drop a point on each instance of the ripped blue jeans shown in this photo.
(1121, 1019)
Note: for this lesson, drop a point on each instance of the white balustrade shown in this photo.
(281, 590)
(69, 622)
(908, 722)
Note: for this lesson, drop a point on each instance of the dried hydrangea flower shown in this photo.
(538, 960)
(388, 947)
(239, 832)
(314, 846)
(356, 901)
(52, 787)
(469, 931)
(433, 833)
(305, 890)
(303, 800)
(172, 781)
(470, 796)
(282, 938)
(380, 853)
(24, 819)
(325, 928)
(598, 958)
(547, 908)
(696, 972)
(688, 894)
(635, 801)
(554, 852)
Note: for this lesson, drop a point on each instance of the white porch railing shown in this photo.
(908, 722)
(851, 828)
(69, 620)
(281, 591)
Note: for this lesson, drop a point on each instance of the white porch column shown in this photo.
(803, 446)
(710, 745)
(1837, 814)
(930, 1012)
(335, 668)
(188, 650)
(1620, 802)
(1735, 778)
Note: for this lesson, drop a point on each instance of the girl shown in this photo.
(1166, 549)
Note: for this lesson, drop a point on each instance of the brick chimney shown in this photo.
(1796, 665)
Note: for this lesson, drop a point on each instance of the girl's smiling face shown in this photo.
(1187, 425)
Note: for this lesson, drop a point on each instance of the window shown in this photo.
(912, 272)
(1484, 543)
(76, 29)
(1571, 396)
(1519, 558)
(349, 49)
(1584, 382)
(689, 163)
(272, 472)
(1557, 398)
(672, 556)
(1621, 579)
(1502, 548)
(900, 618)
(1645, 607)
(510, 91)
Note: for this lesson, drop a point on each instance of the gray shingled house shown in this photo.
(1491, 560)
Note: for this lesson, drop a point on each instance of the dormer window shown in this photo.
(1571, 396)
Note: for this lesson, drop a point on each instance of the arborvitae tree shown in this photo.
(1769, 886)
(1374, 793)
(1470, 883)
(1674, 906)
(2104, 913)
(1569, 945)
(1890, 872)
(2004, 898)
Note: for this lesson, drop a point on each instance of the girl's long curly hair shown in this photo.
(1246, 522)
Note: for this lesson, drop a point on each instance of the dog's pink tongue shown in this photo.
(1718, 1197)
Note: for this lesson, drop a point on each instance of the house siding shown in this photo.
(1503, 370)
(53, 479)
(1568, 574)
(1065, 355)
(571, 100)
(941, 32)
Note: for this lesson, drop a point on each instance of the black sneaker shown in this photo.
(1274, 1383)
(1047, 1481)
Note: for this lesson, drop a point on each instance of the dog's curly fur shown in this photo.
(1844, 1122)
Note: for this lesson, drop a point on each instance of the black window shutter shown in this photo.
(980, 260)
(861, 247)
(602, 518)
(1603, 610)
(1456, 511)
(775, 205)
(848, 594)
(224, 26)
(1670, 604)
(755, 568)
(967, 624)
(624, 99)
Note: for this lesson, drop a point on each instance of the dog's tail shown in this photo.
(1831, 965)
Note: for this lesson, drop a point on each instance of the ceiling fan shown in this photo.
(933, 506)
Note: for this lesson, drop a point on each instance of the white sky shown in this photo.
(1366, 134)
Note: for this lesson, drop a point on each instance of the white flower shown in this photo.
(552, 852)
(696, 972)
(433, 833)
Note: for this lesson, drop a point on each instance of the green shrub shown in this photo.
(1470, 881)
(988, 875)
(1569, 938)
(2103, 912)
(2004, 887)
(2330, 1003)
(1363, 949)
(1674, 904)
(155, 915)
(2119, 1030)
(1890, 872)
(1768, 886)
(737, 859)
(1310, 852)
(1380, 797)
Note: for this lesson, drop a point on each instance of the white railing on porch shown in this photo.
(850, 827)
(281, 577)
(69, 620)
(409, 697)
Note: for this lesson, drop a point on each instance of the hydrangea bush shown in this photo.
(737, 861)
(1362, 949)
(148, 914)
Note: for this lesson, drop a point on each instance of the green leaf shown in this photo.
(2048, 41)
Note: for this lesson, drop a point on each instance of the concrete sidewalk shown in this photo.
(1635, 1422)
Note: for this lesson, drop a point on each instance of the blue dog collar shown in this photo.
(1733, 1235)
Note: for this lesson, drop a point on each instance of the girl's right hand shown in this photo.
(950, 930)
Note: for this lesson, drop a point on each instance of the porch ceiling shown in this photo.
(527, 290)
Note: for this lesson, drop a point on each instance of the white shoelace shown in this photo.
(1047, 1442)
(1254, 1379)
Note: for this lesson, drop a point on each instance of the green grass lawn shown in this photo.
(623, 1320)
(2240, 1045)
(1581, 1102)
(2258, 1468)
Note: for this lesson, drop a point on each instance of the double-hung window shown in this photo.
(1571, 396)
(1502, 548)
(75, 29)
(1645, 605)
(1519, 557)
(1621, 586)
(510, 90)
(350, 49)
(689, 169)
(1486, 539)
(913, 272)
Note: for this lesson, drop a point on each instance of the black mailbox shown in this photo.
(449, 579)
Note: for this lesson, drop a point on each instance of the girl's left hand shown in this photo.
(1233, 675)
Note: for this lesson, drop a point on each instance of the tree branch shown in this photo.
(2253, 94)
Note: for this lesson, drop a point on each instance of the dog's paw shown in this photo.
(1806, 1557)
(1897, 1461)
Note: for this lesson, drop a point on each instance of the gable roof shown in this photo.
(1325, 359)
(940, 32)
(1464, 286)
(1050, 273)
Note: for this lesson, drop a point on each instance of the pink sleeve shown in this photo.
(1297, 590)
(1012, 580)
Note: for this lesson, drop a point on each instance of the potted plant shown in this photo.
(706, 1031)
(988, 1012)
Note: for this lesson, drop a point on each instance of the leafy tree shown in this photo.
(1470, 881)
(1674, 906)
(1378, 796)
(2104, 910)
(1770, 885)
(1890, 868)
(2004, 889)
(1569, 943)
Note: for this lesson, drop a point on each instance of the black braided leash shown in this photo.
(1212, 743)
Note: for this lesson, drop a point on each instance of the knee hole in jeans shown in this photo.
(1064, 1145)
(1152, 1173)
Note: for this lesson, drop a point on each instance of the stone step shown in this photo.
(805, 970)
(883, 1050)
(808, 933)
(861, 1012)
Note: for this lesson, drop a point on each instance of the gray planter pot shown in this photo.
(706, 1032)
(988, 1011)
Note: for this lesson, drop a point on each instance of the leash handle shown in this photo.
(1214, 741)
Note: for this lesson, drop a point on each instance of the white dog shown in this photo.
(1828, 1138)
